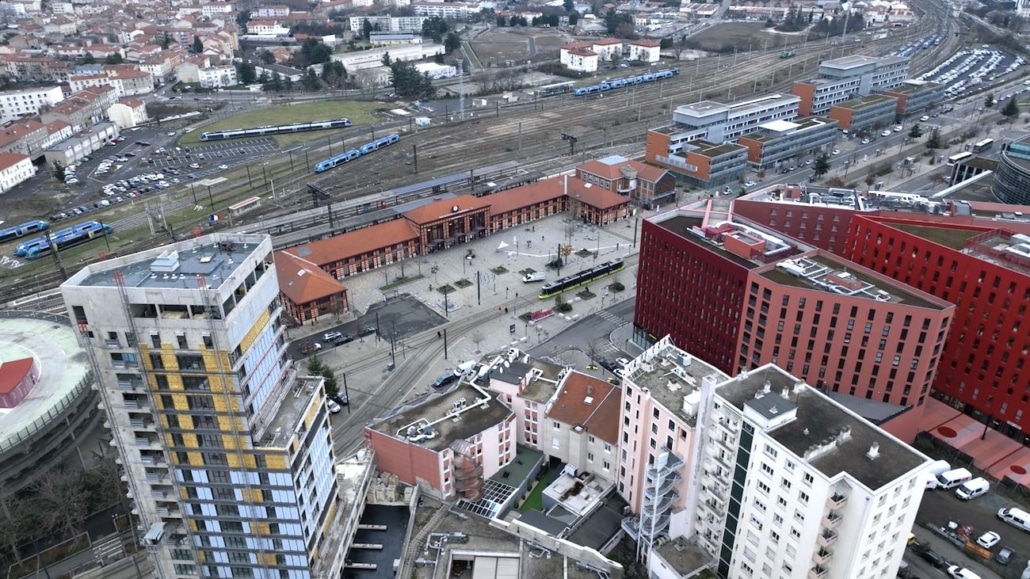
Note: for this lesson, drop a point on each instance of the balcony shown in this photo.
(818, 572)
(631, 525)
(112, 344)
(832, 520)
(654, 526)
(822, 556)
(674, 464)
(836, 501)
(826, 539)
(663, 489)
(662, 505)
(130, 384)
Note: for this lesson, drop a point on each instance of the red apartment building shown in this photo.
(740, 297)
(984, 269)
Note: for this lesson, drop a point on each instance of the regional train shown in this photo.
(347, 156)
(582, 278)
(23, 229)
(628, 81)
(63, 239)
(275, 130)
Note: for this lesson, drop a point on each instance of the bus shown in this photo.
(984, 145)
(959, 158)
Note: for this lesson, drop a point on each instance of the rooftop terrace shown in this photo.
(442, 417)
(287, 417)
(822, 433)
(687, 224)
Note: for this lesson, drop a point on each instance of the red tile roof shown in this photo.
(646, 42)
(8, 160)
(581, 51)
(613, 171)
(525, 196)
(593, 195)
(12, 373)
(445, 208)
(302, 281)
(600, 417)
(355, 243)
(606, 41)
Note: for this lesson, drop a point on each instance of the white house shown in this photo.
(607, 48)
(436, 71)
(645, 50)
(576, 56)
(14, 169)
(128, 112)
(267, 28)
(217, 77)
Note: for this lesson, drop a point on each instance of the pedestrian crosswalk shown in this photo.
(610, 317)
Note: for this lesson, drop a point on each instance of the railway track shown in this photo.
(529, 132)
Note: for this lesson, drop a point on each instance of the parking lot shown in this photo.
(971, 69)
(941, 507)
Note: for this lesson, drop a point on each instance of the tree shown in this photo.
(198, 45)
(266, 56)
(916, 131)
(501, 22)
(933, 142)
(665, 44)
(1011, 109)
(569, 5)
(821, 166)
(246, 73)
(88, 58)
(386, 59)
(288, 84)
(989, 100)
(243, 18)
(322, 52)
(435, 28)
(366, 29)
(61, 501)
(166, 42)
(452, 42)
(113, 58)
(310, 81)
(408, 82)
(573, 18)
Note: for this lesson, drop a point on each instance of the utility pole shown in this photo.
(414, 155)
(572, 143)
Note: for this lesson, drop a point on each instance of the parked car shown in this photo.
(340, 399)
(445, 379)
(223, 167)
(930, 556)
(1005, 556)
(988, 539)
(333, 406)
(309, 347)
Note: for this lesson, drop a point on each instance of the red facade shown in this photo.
(822, 226)
(982, 365)
(688, 292)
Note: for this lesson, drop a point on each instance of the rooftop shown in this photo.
(440, 418)
(176, 266)
(712, 149)
(684, 557)
(824, 272)
(767, 247)
(590, 404)
(1011, 250)
(823, 433)
(866, 101)
(672, 376)
(776, 129)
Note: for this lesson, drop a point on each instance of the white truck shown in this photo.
(535, 276)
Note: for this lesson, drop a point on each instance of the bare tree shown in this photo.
(593, 350)
(61, 501)
(13, 524)
(477, 339)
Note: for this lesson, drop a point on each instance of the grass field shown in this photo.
(744, 36)
(358, 112)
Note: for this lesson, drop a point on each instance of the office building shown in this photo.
(698, 162)
(758, 298)
(865, 113)
(227, 451)
(793, 485)
(915, 97)
(777, 142)
(1012, 177)
(843, 79)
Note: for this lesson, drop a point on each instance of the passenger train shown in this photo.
(347, 156)
(63, 239)
(23, 229)
(275, 130)
(628, 81)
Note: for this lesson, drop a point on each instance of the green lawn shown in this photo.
(358, 112)
(535, 500)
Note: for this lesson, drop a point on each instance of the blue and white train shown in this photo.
(23, 229)
(65, 238)
(275, 130)
(347, 156)
(628, 81)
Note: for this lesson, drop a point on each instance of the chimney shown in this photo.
(786, 393)
(590, 389)
(874, 451)
(767, 387)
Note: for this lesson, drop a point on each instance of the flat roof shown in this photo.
(687, 223)
(671, 374)
(281, 425)
(215, 257)
(866, 101)
(440, 412)
(684, 557)
(63, 366)
(779, 125)
(714, 149)
(824, 272)
(823, 433)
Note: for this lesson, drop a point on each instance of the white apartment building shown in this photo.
(128, 112)
(576, 56)
(582, 425)
(354, 61)
(449, 10)
(389, 23)
(645, 50)
(227, 451)
(717, 122)
(267, 28)
(792, 485)
(124, 82)
(217, 76)
(841, 79)
(22, 103)
(14, 169)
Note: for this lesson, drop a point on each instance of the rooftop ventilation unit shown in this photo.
(167, 262)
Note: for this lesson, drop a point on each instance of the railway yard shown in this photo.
(503, 144)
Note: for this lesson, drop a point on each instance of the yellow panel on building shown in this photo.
(253, 496)
(190, 441)
(181, 403)
(231, 442)
(193, 525)
(233, 460)
(225, 424)
(311, 414)
(275, 461)
(221, 406)
(196, 459)
(259, 528)
(329, 517)
(252, 334)
(269, 559)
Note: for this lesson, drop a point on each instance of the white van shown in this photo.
(972, 489)
(936, 467)
(961, 573)
(1016, 517)
(953, 478)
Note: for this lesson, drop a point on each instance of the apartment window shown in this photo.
(557, 426)
(181, 339)
(605, 465)
(763, 487)
(770, 451)
(785, 483)
(809, 479)
(208, 342)
(803, 496)
(767, 469)
(590, 456)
